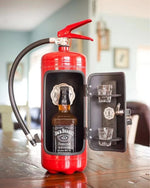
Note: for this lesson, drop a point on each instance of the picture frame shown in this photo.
(19, 71)
(121, 57)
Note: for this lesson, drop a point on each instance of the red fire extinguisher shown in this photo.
(61, 60)
(103, 95)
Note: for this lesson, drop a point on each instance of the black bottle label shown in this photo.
(64, 138)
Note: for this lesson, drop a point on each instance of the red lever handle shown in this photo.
(66, 32)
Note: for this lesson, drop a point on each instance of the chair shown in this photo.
(6, 116)
(143, 127)
(132, 129)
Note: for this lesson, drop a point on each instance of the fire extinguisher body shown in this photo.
(64, 61)
(61, 60)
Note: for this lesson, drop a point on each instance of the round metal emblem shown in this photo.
(55, 93)
(109, 113)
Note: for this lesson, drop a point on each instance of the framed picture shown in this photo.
(19, 71)
(121, 57)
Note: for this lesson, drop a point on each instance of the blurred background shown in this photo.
(120, 29)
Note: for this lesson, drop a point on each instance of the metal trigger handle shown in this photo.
(66, 32)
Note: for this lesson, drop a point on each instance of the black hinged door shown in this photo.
(106, 111)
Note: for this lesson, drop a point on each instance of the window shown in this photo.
(143, 75)
(35, 75)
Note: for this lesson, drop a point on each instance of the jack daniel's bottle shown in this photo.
(64, 125)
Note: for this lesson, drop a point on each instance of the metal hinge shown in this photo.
(87, 90)
(87, 133)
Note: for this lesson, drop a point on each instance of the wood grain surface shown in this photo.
(20, 167)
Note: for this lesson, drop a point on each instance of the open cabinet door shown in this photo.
(107, 109)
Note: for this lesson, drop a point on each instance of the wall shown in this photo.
(125, 32)
(74, 11)
(11, 44)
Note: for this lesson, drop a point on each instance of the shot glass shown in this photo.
(105, 135)
(104, 93)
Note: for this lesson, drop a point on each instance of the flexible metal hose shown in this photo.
(11, 89)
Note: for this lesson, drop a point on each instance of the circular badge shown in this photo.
(109, 113)
(55, 93)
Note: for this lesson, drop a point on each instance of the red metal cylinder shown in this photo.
(61, 60)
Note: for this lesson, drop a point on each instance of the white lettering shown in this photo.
(63, 130)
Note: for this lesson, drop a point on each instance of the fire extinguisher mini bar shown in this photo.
(64, 94)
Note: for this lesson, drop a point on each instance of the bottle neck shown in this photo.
(64, 102)
(63, 108)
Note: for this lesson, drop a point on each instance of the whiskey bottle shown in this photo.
(64, 125)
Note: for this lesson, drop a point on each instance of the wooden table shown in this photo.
(20, 167)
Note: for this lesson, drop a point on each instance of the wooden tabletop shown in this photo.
(20, 167)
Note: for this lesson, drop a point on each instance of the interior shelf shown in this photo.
(96, 95)
(117, 139)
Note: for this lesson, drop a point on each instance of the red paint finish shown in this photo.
(62, 60)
